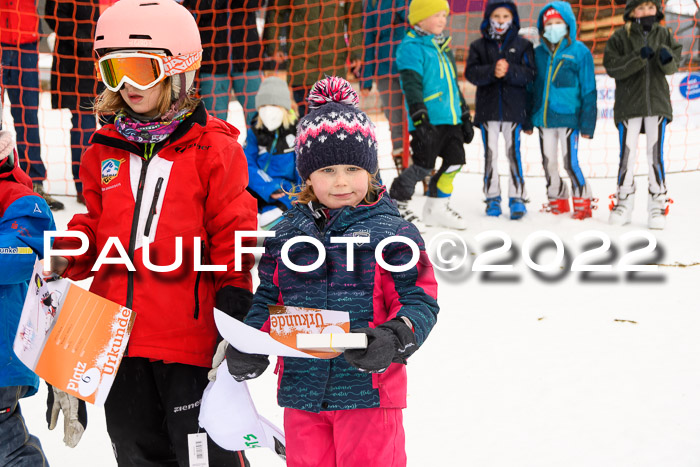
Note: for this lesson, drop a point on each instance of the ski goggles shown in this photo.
(143, 70)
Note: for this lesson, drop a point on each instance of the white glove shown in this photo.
(219, 356)
(74, 415)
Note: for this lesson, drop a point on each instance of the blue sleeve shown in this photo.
(22, 228)
(258, 180)
(417, 287)
(589, 96)
(369, 64)
(409, 57)
(266, 294)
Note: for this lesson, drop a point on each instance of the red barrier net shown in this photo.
(50, 85)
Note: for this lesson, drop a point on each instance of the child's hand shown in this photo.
(467, 127)
(390, 342)
(646, 52)
(527, 132)
(364, 92)
(665, 56)
(243, 366)
(277, 194)
(356, 68)
(280, 57)
(425, 131)
(58, 265)
(501, 68)
(586, 136)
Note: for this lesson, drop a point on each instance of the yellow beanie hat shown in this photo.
(419, 10)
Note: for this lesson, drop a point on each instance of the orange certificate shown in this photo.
(71, 337)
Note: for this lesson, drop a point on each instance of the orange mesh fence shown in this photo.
(49, 79)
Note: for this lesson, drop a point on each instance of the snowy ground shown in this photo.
(524, 371)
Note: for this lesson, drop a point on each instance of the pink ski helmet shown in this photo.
(154, 25)
(147, 24)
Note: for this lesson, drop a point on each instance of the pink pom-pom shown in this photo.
(332, 89)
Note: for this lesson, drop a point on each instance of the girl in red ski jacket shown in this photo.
(160, 170)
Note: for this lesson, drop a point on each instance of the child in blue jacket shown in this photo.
(24, 217)
(346, 410)
(384, 28)
(501, 65)
(439, 120)
(269, 149)
(564, 106)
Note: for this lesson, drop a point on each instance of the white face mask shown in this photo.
(555, 32)
(271, 116)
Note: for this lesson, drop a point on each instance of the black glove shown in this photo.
(647, 52)
(390, 342)
(243, 366)
(74, 415)
(425, 131)
(467, 127)
(665, 56)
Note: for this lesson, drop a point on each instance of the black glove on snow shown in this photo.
(467, 127)
(425, 131)
(390, 342)
(665, 56)
(74, 415)
(243, 366)
(647, 52)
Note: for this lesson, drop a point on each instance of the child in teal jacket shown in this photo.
(564, 105)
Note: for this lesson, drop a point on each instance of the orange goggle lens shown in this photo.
(140, 70)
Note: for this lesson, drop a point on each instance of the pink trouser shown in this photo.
(345, 438)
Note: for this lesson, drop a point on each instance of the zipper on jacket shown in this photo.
(447, 67)
(152, 211)
(500, 88)
(648, 77)
(196, 284)
(549, 82)
(433, 96)
(134, 228)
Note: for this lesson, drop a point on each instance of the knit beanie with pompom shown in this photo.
(335, 131)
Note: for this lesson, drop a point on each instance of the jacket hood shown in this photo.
(492, 5)
(564, 9)
(16, 174)
(632, 4)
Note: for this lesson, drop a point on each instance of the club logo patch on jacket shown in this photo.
(110, 169)
(361, 234)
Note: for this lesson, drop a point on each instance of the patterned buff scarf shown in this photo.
(147, 132)
(438, 38)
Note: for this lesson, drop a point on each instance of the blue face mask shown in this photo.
(555, 32)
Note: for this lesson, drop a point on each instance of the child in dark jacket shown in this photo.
(269, 149)
(564, 106)
(638, 56)
(501, 65)
(439, 119)
(346, 410)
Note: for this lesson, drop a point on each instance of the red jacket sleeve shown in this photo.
(229, 207)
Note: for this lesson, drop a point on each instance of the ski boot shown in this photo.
(621, 212)
(517, 208)
(658, 207)
(493, 206)
(437, 212)
(582, 208)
